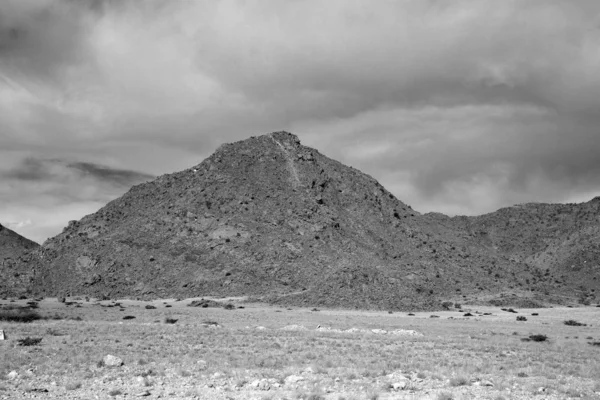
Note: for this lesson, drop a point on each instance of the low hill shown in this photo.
(562, 241)
(14, 251)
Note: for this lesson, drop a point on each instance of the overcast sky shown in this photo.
(460, 107)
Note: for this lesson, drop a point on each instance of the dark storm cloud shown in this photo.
(32, 169)
(115, 176)
(460, 107)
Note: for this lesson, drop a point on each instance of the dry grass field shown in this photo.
(174, 351)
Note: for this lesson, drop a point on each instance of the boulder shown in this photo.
(112, 361)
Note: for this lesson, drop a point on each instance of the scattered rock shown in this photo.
(12, 375)
(143, 394)
(293, 379)
(261, 384)
(2, 335)
(112, 361)
(399, 385)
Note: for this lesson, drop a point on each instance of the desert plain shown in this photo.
(232, 349)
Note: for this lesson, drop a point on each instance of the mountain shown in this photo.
(272, 219)
(14, 250)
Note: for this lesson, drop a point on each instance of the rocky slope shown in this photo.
(561, 241)
(270, 218)
(14, 251)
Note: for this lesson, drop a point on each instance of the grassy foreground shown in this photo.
(177, 352)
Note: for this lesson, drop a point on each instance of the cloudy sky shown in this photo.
(460, 107)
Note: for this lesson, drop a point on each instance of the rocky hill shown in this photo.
(14, 251)
(269, 218)
(562, 241)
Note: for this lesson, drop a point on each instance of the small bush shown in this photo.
(572, 322)
(538, 338)
(150, 307)
(29, 341)
(129, 317)
(459, 381)
(53, 332)
(594, 344)
(19, 316)
(445, 396)
(170, 320)
(521, 318)
(468, 314)
(73, 386)
(447, 304)
(114, 393)
(229, 307)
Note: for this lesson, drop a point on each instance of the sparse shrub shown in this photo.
(468, 314)
(572, 322)
(594, 344)
(459, 381)
(29, 341)
(535, 314)
(21, 315)
(114, 392)
(445, 396)
(73, 386)
(129, 317)
(521, 318)
(170, 320)
(538, 338)
(411, 314)
(522, 375)
(315, 309)
(229, 307)
(150, 307)
(53, 332)
(447, 304)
